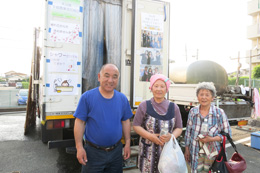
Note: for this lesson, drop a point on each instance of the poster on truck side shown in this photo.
(62, 84)
(68, 9)
(62, 54)
(64, 32)
(151, 46)
(60, 61)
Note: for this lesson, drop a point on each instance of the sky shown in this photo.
(216, 28)
(18, 19)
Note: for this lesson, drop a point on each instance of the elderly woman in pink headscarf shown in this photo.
(150, 118)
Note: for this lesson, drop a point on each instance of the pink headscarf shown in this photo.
(156, 77)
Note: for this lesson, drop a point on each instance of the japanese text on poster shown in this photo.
(64, 32)
(63, 61)
(66, 9)
(152, 22)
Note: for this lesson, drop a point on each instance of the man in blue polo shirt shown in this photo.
(102, 116)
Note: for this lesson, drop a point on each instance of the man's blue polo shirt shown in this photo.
(103, 116)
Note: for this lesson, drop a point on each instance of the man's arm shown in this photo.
(126, 132)
(79, 129)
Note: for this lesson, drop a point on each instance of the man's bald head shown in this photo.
(108, 66)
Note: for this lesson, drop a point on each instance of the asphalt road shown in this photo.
(27, 154)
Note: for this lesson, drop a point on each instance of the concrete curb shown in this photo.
(6, 109)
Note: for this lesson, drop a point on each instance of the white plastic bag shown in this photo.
(172, 158)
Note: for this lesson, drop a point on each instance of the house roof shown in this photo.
(10, 72)
(13, 73)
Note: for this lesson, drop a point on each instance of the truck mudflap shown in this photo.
(61, 143)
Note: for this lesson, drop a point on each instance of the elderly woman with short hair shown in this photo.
(217, 121)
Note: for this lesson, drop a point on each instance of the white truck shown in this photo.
(236, 101)
(78, 37)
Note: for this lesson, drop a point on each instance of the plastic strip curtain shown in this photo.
(101, 38)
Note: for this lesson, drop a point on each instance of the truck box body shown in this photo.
(79, 37)
(61, 68)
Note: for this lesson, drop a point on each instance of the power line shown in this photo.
(23, 48)
(10, 39)
(16, 28)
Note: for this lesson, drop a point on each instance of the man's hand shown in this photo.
(79, 129)
(82, 156)
(127, 152)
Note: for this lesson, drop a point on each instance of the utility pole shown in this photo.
(197, 54)
(186, 54)
(238, 68)
(250, 67)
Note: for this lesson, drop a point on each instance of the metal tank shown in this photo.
(200, 71)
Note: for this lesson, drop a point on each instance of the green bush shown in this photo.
(25, 85)
(232, 81)
(256, 72)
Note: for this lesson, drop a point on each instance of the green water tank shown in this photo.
(200, 71)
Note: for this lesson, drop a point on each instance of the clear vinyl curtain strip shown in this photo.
(101, 29)
(113, 25)
(93, 41)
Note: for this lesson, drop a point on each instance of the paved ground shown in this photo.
(27, 154)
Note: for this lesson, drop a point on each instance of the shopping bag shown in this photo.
(219, 165)
(172, 158)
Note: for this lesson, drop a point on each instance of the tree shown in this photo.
(256, 71)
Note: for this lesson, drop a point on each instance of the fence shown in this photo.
(8, 98)
(255, 83)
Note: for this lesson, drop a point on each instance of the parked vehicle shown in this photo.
(4, 84)
(22, 97)
(234, 100)
(67, 69)
(18, 85)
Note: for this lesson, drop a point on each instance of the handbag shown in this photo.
(219, 165)
(236, 164)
